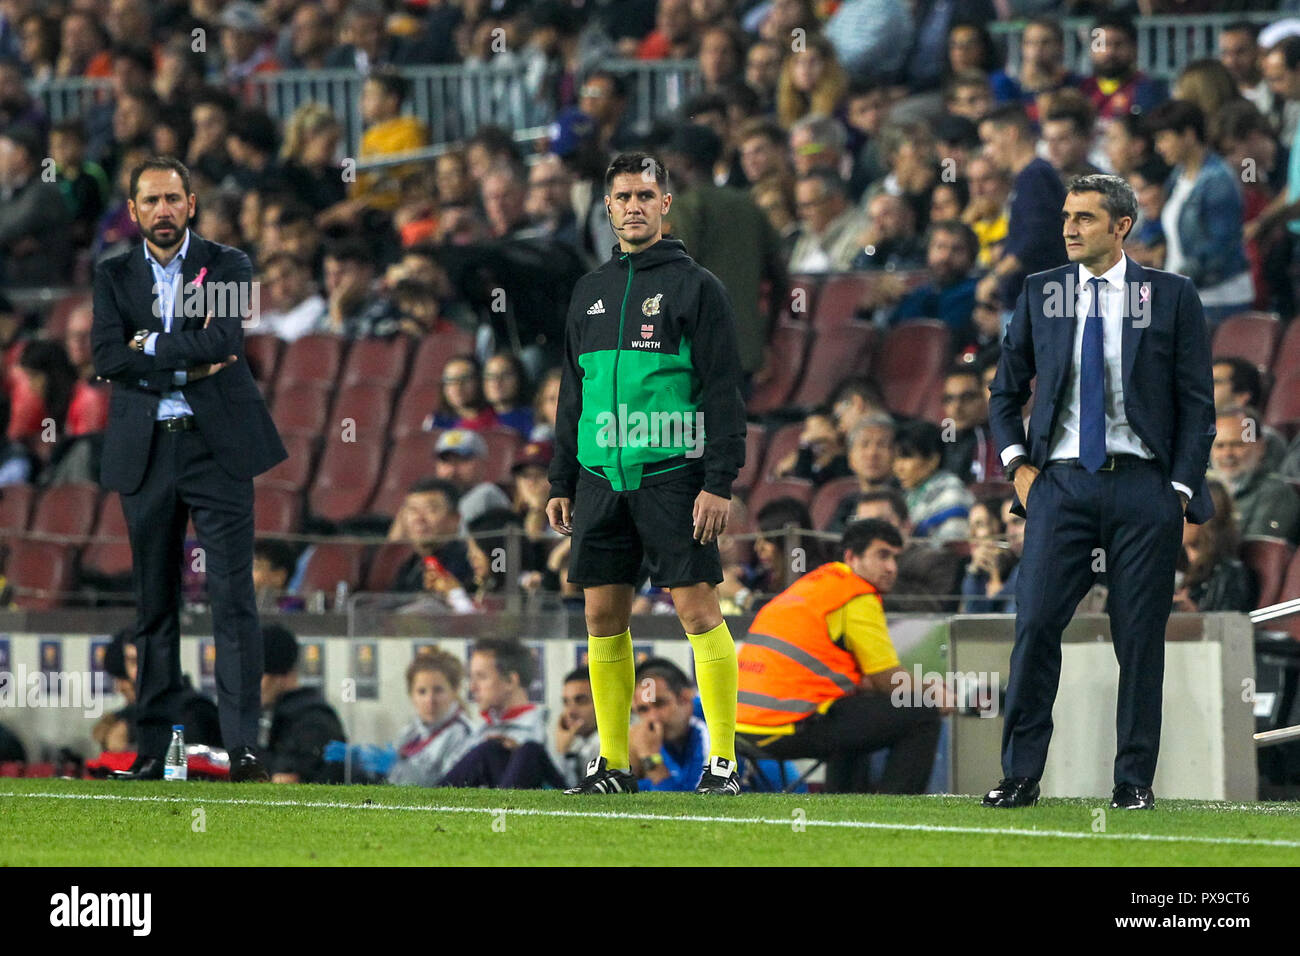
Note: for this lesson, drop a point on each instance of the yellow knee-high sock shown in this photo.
(718, 675)
(613, 679)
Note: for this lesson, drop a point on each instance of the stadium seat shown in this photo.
(346, 479)
(276, 510)
(789, 349)
(301, 408)
(798, 488)
(828, 497)
(1286, 360)
(15, 508)
(384, 565)
(409, 460)
(109, 553)
(416, 403)
(912, 361)
(330, 563)
(802, 299)
(1249, 335)
(1289, 591)
(779, 444)
(377, 362)
(312, 358)
(837, 353)
(295, 472)
(755, 446)
(837, 302)
(56, 325)
(432, 355)
(369, 407)
(992, 489)
(263, 354)
(69, 509)
(1269, 558)
(1283, 409)
(502, 446)
(41, 573)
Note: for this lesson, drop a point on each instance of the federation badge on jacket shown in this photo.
(650, 307)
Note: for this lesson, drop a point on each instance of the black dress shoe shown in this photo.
(246, 768)
(144, 768)
(1013, 792)
(1129, 797)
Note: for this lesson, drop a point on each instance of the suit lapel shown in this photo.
(143, 300)
(1065, 328)
(196, 258)
(1137, 316)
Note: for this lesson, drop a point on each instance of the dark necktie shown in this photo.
(1092, 387)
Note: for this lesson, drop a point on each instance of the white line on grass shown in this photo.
(667, 818)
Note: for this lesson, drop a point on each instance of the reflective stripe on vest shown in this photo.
(800, 656)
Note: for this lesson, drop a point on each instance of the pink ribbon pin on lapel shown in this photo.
(1144, 292)
(198, 279)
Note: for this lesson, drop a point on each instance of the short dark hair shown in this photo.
(393, 83)
(918, 439)
(637, 164)
(73, 126)
(161, 163)
(443, 486)
(666, 671)
(1238, 121)
(350, 249)
(1117, 21)
(859, 535)
(140, 56)
(280, 649)
(617, 83)
(863, 387)
(1242, 26)
(1117, 196)
(255, 128)
(892, 495)
(1051, 24)
(780, 512)
(1245, 378)
(1076, 111)
(860, 86)
(955, 227)
(279, 553)
(1179, 116)
(962, 370)
(578, 673)
(510, 655)
(1011, 114)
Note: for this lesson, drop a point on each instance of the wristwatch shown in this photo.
(139, 338)
(1014, 465)
(651, 763)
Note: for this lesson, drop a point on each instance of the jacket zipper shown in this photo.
(622, 314)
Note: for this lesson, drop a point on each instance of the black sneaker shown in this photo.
(720, 777)
(600, 779)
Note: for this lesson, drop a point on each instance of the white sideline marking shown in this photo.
(591, 814)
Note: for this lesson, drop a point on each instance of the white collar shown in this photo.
(1114, 275)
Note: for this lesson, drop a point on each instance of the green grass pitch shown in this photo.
(85, 823)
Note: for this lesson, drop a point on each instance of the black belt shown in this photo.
(183, 424)
(1112, 462)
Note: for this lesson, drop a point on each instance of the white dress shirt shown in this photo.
(165, 281)
(1120, 437)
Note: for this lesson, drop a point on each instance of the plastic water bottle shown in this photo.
(176, 766)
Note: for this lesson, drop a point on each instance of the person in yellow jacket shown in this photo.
(819, 676)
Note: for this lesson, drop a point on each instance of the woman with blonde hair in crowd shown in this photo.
(1208, 84)
(812, 81)
(441, 723)
(311, 140)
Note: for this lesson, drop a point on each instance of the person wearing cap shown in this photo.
(34, 220)
(532, 488)
(459, 458)
(429, 522)
(244, 43)
(650, 340)
(301, 722)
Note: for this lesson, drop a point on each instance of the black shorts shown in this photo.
(614, 530)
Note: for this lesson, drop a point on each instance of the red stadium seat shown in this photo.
(779, 444)
(330, 563)
(263, 355)
(301, 408)
(40, 572)
(433, 352)
(755, 446)
(798, 488)
(346, 479)
(1283, 409)
(415, 405)
(57, 324)
(502, 446)
(409, 460)
(1289, 591)
(1249, 335)
(15, 508)
(1286, 362)
(1269, 558)
(109, 554)
(828, 497)
(838, 352)
(992, 489)
(911, 366)
(837, 303)
(70, 509)
(789, 349)
(276, 510)
(295, 472)
(312, 358)
(367, 407)
(802, 299)
(384, 565)
(377, 362)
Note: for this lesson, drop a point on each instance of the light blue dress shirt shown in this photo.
(166, 280)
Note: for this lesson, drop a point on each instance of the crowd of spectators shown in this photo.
(889, 139)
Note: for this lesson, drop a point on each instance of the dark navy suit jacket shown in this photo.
(1168, 384)
(228, 406)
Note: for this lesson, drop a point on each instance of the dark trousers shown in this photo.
(1127, 522)
(183, 480)
(492, 764)
(851, 730)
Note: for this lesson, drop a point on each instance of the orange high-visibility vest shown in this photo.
(789, 666)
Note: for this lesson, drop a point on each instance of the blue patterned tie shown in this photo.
(1092, 387)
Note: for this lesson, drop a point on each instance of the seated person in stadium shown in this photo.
(1238, 383)
(488, 548)
(460, 457)
(576, 740)
(937, 501)
(302, 723)
(273, 565)
(508, 750)
(462, 404)
(774, 566)
(1214, 580)
(356, 307)
(197, 713)
(819, 676)
(15, 460)
(440, 726)
(992, 572)
(890, 242)
(928, 572)
(292, 307)
(871, 461)
(969, 451)
(853, 401)
(505, 388)
(668, 743)
(820, 457)
(1264, 503)
(429, 521)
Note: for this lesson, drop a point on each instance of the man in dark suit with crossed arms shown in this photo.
(1116, 453)
(187, 431)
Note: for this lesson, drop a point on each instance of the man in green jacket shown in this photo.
(649, 435)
